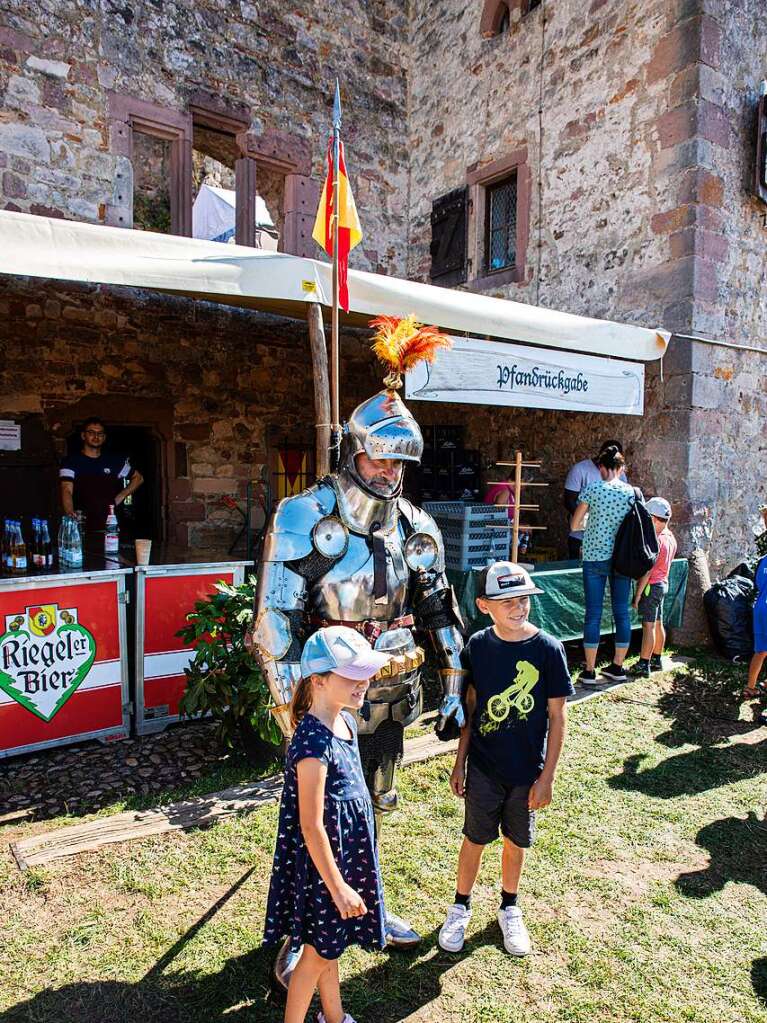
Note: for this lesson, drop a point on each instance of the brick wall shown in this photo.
(229, 384)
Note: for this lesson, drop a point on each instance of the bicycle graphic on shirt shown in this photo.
(518, 696)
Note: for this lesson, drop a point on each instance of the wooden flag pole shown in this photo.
(334, 346)
(321, 392)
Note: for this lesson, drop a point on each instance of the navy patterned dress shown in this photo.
(299, 904)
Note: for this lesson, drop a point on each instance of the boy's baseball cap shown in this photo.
(504, 579)
(659, 507)
(342, 650)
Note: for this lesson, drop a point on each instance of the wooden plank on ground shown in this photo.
(190, 813)
(121, 827)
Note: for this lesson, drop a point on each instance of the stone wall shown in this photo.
(59, 62)
(635, 121)
(639, 211)
(602, 181)
(728, 431)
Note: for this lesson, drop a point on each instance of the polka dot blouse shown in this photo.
(608, 502)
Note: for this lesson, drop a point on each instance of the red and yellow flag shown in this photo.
(349, 230)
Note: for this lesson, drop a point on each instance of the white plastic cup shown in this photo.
(143, 550)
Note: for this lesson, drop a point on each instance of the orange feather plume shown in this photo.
(401, 344)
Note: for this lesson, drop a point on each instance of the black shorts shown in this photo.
(491, 805)
(650, 607)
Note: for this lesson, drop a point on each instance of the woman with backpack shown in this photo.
(603, 506)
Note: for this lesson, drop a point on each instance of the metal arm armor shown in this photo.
(279, 612)
(436, 610)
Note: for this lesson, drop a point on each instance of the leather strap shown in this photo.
(380, 588)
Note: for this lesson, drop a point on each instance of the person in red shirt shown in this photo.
(652, 588)
(502, 493)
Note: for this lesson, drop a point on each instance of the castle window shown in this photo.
(501, 224)
(496, 18)
(498, 221)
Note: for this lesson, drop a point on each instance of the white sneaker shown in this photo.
(516, 940)
(452, 933)
(347, 1018)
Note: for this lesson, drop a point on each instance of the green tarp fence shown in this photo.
(559, 610)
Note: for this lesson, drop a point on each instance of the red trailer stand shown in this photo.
(63, 660)
(165, 594)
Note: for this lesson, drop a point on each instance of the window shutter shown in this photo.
(448, 238)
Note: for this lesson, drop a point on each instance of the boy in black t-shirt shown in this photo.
(515, 697)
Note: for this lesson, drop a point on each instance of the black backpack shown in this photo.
(636, 545)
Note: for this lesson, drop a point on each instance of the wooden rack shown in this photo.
(519, 465)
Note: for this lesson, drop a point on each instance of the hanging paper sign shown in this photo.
(475, 372)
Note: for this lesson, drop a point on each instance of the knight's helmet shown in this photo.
(383, 426)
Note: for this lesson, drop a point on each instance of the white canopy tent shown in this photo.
(213, 217)
(274, 282)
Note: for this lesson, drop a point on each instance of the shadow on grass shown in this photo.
(398, 985)
(403, 982)
(738, 851)
(690, 773)
(703, 703)
(759, 979)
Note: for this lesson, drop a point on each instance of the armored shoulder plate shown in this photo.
(290, 531)
(419, 521)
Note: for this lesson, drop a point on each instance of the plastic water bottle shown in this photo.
(112, 534)
(70, 547)
(77, 546)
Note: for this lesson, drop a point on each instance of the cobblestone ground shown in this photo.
(82, 778)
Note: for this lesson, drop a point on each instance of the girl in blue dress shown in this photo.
(325, 891)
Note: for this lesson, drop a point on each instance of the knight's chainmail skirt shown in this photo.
(385, 745)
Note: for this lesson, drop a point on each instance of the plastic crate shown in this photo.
(466, 517)
(474, 561)
(475, 539)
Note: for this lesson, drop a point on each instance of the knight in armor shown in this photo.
(350, 550)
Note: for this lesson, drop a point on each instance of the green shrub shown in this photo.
(223, 679)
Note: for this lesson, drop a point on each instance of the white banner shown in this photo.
(475, 372)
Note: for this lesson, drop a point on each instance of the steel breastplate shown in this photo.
(345, 593)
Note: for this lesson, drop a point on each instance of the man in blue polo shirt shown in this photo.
(93, 479)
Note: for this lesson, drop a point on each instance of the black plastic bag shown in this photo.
(729, 609)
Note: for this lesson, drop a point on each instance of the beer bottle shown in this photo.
(45, 544)
(18, 551)
(36, 552)
(6, 546)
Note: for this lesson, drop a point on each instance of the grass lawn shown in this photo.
(645, 894)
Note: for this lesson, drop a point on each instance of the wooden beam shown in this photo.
(190, 813)
(120, 827)
(245, 173)
(321, 386)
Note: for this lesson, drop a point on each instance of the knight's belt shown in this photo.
(370, 628)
